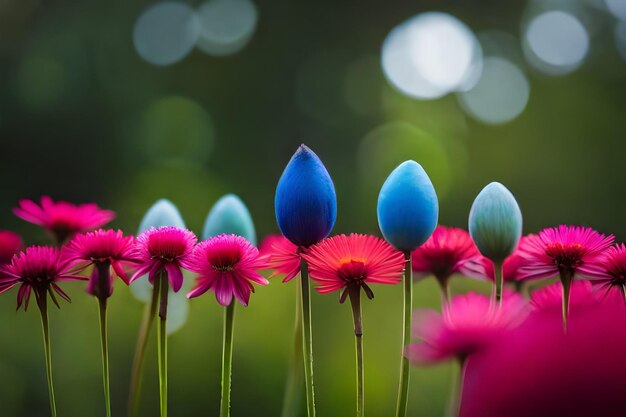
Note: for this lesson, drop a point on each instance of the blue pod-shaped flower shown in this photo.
(305, 201)
(495, 222)
(408, 208)
(162, 213)
(231, 216)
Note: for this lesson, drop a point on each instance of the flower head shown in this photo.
(305, 201)
(615, 266)
(468, 325)
(10, 244)
(229, 215)
(281, 255)
(448, 251)
(61, 218)
(105, 250)
(37, 268)
(228, 265)
(495, 222)
(341, 261)
(163, 249)
(564, 250)
(408, 208)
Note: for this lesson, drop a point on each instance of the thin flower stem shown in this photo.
(227, 358)
(140, 352)
(355, 301)
(293, 388)
(444, 289)
(403, 390)
(456, 388)
(162, 342)
(566, 282)
(42, 303)
(307, 342)
(102, 303)
(497, 266)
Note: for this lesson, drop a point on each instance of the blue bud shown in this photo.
(162, 213)
(305, 201)
(407, 207)
(495, 222)
(231, 216)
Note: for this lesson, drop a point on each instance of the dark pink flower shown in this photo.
(227, 265)
(539, 371)
(468, 325)
(563, 250)
(281, 255)
(61, 218)
(37, 268)
(106, 250)
(163, 249)
(449, 251)
(357, 259)
(615, 267)
(10, 244)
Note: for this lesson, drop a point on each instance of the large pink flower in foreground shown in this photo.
(539, 371)
(448, 251)
(10, 244)
(61, 218)
(563, 250)
(469, 324)
(227, 265)
(106, 250)
(281, 255)
(341, 260)
(37, 268)
(163, 249)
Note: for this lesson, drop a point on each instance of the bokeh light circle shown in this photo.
(166, 32)
(500, 95)
(617, 8)
(226, 26)
(431, 55)
(556, 42)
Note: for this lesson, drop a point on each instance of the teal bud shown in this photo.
(162, 213)
(231, 216)
(408, 208)
(495, 222)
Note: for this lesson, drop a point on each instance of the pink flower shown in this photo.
(568, 250)
(341, 260)
(106, 250)
(37, 268)
(281, 255)
(163, 249)
(226, 264)
(449, 251)
(10, 244)
(615, 267)
(469, 324)
(61, 218)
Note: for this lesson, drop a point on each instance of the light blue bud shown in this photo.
(162, 213)
(407, 207)
(231, 216)
(495, 222)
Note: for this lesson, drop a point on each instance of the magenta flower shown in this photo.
(10, 244)
(106, 250)
(468, 325)
(615, 267)
(227, 265)
(37, 268)
(281, 255)
(562, 250)
(61, 218)
(340, 261)
(165, 248)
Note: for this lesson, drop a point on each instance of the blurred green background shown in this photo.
(89, 113)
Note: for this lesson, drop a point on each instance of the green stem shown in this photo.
(42, 303)
(355, 300)
(456, 388)
(566, 282)
(307, 342)
(293, 388)
(227, 358)
(497, 266)
(444, 289)
(102, 302)
(403, 390)
(162, 340)
(140, 352)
